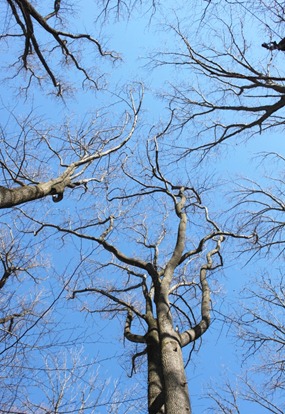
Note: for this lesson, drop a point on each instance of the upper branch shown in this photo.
(109, 295)
(26, 15)
(253, 98)
(181, 235)
(192, 334)
(132, 261)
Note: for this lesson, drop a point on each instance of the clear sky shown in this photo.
(137, 39)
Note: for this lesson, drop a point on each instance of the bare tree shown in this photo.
(233, 89)
(76, 155)
(30, 154)
(260, 208)
(259, 323)
(21, 310)
(39, 160)
(261, 328)
(43, 40)
(66, 382)
(44, 369)
(162, 284)
(134, 201)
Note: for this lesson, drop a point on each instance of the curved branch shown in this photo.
(127, 331)
(192, 334)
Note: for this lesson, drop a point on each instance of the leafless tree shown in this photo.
(128, 203)
(259, 322)
(64, 382)
(261, 328)
(160, 284)
(75, 153)
(232, 88)
(261, 208)
(35, 352)
(21, 309)
(39, 160)
(30, 155)
(42, 39)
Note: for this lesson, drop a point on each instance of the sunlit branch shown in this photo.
(194, 333)
(181, 284)
(55, 187)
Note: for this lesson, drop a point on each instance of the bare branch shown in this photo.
(32, 25)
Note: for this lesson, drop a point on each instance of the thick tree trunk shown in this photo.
(156, 395)
(174, 378)
(175, 383)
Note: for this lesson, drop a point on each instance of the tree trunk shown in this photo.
(175, 383)
(156, 395)
(174, 379)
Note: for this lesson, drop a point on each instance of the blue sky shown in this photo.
(135, 40)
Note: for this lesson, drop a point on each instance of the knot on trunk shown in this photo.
(57, 192)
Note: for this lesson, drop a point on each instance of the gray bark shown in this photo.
(175, 384)
(10, 197)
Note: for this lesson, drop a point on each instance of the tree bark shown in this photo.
(156, 395)
(175, 384)
(10, 197)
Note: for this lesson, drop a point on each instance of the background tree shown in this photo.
(259, 323)
(237, 88)
(262, 207)
(259, 318)
(38, 31)
(76, 151)
(37, 160)
(31, 153)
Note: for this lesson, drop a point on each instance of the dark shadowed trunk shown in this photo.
(156, 394)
